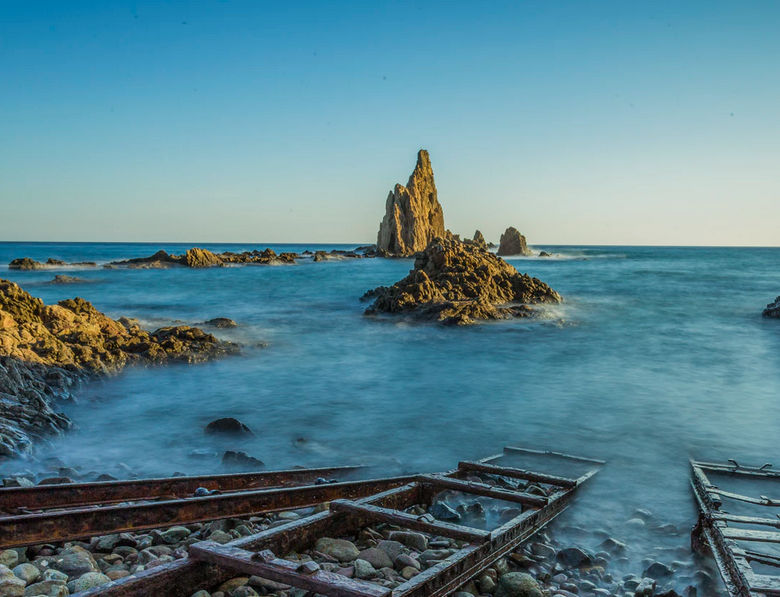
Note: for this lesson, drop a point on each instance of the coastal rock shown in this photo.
(479, 239)
(63, 279)
(47, 350)
(457, 283)
(228, 425)
(221, 323)
(25, 264)
(196, 257)
(512, 243)
(413, 216)
(200, 258)
(773, 309)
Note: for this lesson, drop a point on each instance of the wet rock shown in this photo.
(25, 264)
(63, 279)
(413, 216)
(512, 243)
(658, 570)
(27, 572)
(573, 557)
(197, 257)
(228, 425)
(544, 254)
(49, 588)
(378, 558)
(457, 283)
(773, 309)
(363, 569)
(175, 534)
(340, 549)
(90, 580)
(74, 561)
(10, 584)
(9, 558)
(237, 459)
(518, 584)
(392, 548)
(221, 323)
(444, 512)
(416, 541)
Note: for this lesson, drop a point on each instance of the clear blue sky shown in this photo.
(577, 122)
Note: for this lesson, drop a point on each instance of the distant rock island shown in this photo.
(456, 282)
(46, 350)
(773, 309)
(27, 264)
(413, 216)
(199, 258)
(513, 243)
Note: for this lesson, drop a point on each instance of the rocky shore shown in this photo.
(27, 264)
(455, 282)
(199, 258)
(46, 351)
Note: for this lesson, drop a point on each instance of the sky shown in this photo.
(247, 121)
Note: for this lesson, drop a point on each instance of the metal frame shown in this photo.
(256, 554)
(713, 534)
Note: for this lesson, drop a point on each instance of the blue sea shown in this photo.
(658, 354)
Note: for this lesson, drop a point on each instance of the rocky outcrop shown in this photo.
(27, 264)
(413, 216)
(64, 279)
(773, 309)
(199, 258)
(479, 239)
(458, 283)
(512, 243)
(47, 350)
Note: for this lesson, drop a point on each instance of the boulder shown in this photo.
(518, 584)
(25, 264)
(512, 243)
(196, 257)
(63, 279)
(228, 425)
(458, 283)
(221, 323)
(479, 239)
(773, 309)
(413, 216)
(340, 549)
(241, 460)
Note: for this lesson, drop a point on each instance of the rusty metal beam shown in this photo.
(77, 494)
(517, 473)
(484, 490)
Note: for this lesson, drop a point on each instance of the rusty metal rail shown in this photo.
(262, 554)
(715, 531)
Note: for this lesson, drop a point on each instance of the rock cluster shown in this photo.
(199, 258)
(46, 350)
(479, 239)
(457, 283)
(26, 264)
(513, 243)
(413, 216)
(773, 309)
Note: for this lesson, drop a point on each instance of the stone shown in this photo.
(517, 584)
(107, 542)
(340, 549)
(25, 264)
(404, 560)
(378, 558)
(74, 561)
(90, 580)
(363, 569)
(55, 575)
(416, 541)
(658, 570)
(63, 279)
(200, 258)
(773, 309)
(512, 243)
(392, 548)
(220, 537)
(48, 588)
(573, 557)
(27, 572)
(479, 239)
(459, 283)
(245, 591)
(442, 511)
(197, 257)
(237, 459)
(175, 534)
(228, 425)
(409, 572)
(9, 558)
(413, 216)
(11, 585)
(232, 584)
(221, 323)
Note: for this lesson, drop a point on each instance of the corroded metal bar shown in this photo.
(29, 529)
(517, 473)
(515, 449)
(77, 494)
(484, 490)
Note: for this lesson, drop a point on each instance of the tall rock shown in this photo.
(773, 309)
(512, 243)
(413, 216)
(479, 239)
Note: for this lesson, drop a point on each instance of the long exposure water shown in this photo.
(657, 355)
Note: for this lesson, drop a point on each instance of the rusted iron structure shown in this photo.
(210, 563)
(722, 534)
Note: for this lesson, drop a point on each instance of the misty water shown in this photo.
(656, 356)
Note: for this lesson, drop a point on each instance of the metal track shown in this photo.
(210, 563)
(713, 534)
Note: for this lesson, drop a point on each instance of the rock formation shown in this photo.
(512, 243)
(26, 264)
(46, 350)
(773, 309)
(198, 258)
(457, 283)
(413, 216)
(479, 239)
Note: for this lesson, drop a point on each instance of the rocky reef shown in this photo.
(513, 243)
(479, 239)
(47, 350)
(413, 216)
(28, 264)
(773, 309)
(199, 258)
(458, 283)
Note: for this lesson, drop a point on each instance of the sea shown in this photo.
(656, 356)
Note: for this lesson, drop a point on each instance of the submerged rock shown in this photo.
(63, 279)
(25, 263)
(46, 350)
(773, 309)
(228, 425)
(413, 216)
(457, 283)
(221, 323)
(512, 243)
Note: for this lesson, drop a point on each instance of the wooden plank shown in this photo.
(29, 529)
(517, 450)
(105, 492)
(517, 473)
(410, 521)
(484, 490)
(751, 535)
(284, 571)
